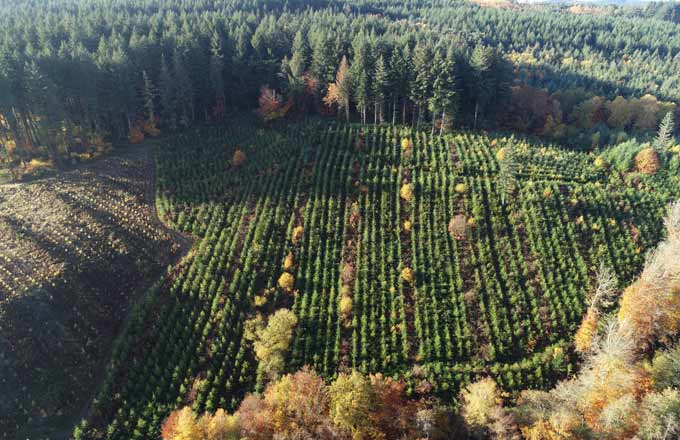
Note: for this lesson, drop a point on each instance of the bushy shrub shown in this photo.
(406, 192)
(622, 156)
(647, 161)
(239, 158)
(457, 227)
(287, 281)
(407, 275)
(346, 306)
(298, 232)
(288, 262)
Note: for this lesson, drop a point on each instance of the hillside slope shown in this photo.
(373, 214)
(74, 250)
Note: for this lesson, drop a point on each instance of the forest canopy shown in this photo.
(79, 75)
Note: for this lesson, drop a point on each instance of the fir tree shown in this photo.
(360, 73)
(664, 137)
(442, 101)
(168, 95)
(299, 55)
(339, 92)
(401, 71)
(379, 88)
(422, 80)
(323, 61)
(184, 91)
(149, 96)
(481, 65)
(216, 70)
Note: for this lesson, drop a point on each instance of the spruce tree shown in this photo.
(442, 101)
(379, 88)
(360, 73)
(422, 80)
(299, 55)
(483, 81)
(401, 71)
(216, 71)
(184, 89)
(168, 95)
(149, 96)
(664, 137)
(339, 92)
(323, 61)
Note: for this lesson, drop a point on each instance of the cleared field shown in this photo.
(74, 251)
(452, 272)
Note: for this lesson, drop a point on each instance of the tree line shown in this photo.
(79, 75)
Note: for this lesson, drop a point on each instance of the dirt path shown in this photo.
(184, 240)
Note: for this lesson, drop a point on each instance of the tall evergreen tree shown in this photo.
(168, 95)
(299, 55)
(339, 92)
(442, 102)
(149, 97)
(664, 136)
(401, 71)
(217, 71)
(483, 80)
(361, 66)
(421, 85)
(323, 61)
(184, 89)
(379, 88)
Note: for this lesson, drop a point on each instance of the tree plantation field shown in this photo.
(436, 259)
(74, 250)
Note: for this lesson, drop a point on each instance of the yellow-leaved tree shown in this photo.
(352, 400)
(271, 342)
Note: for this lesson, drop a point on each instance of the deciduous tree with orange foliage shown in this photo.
(271, 105)
(339, 92)
(617, 394)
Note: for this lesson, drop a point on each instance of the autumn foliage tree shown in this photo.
(183, 424)
(271, 342)
(617, 394)
(271, 104)
(338, 93)
(302, 406)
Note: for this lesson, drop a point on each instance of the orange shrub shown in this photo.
(407, 275)
(136, 136)
(647, 161)
(239, 158)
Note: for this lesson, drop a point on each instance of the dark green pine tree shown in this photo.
(299, 60)
(323, 61)
(442, 103)
(149, 97)
(421, 85)
(168, 95)
(379, 88)
(216, 71)
(185, 98)
(361, 94)
(483, 80)
(359, 73)
(401, 71)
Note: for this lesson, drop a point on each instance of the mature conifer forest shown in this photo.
(313, 219)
